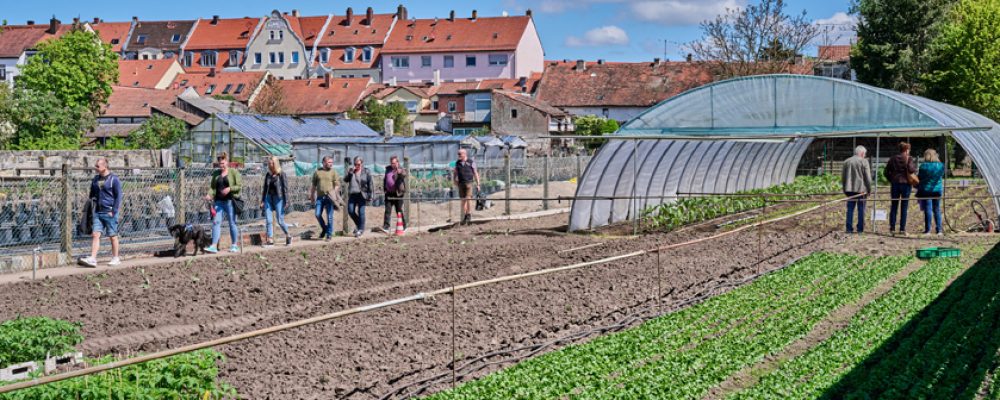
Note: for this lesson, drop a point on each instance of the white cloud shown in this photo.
(838, 29)
(603, 36)
(680, 12)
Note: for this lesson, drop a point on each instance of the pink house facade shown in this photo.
(461, 50)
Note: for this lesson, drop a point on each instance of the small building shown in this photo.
(279, 47)
(834, 61)
(520, 115)
(218, 43)
(151, 74)
(156, 40)
(326, 97)
(128, 107)
(250, 138)
(19, 42)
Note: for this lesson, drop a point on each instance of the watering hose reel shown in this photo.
(985, 223)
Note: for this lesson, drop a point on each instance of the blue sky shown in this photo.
(615, 30)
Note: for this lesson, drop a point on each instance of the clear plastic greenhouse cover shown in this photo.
(764, 105)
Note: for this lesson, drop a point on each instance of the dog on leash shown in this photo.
(187, 233)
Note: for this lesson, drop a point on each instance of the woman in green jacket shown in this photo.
(931, 175)
(222, 189)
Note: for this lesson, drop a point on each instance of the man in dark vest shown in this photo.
(465, 175)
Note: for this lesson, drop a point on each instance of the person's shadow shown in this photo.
(946, 351)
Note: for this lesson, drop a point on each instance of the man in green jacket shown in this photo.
(856, 177)
(223, 190)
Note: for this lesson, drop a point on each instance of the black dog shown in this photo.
(189, 233)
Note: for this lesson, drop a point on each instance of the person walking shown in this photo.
(856, 179)
(106, 195)
(274, 198)
(223, 189)
(395, 189)
(465, 174)
(931, 175)
(359, 192)
(898, 171)
(325, 189)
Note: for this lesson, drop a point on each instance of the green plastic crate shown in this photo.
(938, 252)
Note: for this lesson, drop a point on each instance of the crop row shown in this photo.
(683, 354)
(810, 374)
(669, 216)
(185, 376)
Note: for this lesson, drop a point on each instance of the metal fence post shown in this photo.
(406, 195)
(578, 169)
(345, 193)
(545, 183)
(506, 166)
(67, 215)
(181, 209)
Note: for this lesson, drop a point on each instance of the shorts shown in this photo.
(465, 190)
(106, 224)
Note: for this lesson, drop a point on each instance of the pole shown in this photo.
(406, 196)
(760, 237)
(659, 283)
(545, 182)
(874, 207)
(506, 166)
(67, 215)
(181, 208)
(944, 180)
(454, 355)
(344, 193)
(635, 183)
(579, 169)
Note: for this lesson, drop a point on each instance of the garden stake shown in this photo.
(659, 289)
(454, 359)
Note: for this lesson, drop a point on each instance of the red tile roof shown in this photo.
(461, 34)
(309, 28)
(312, 96)
(618, 84)
(228, 33)
(136, 102)
(336, 60)
(529, 101)
(16, 39)
(143, 73)
(359, 32)
(113, 33)
(840, 52)
(201, 82)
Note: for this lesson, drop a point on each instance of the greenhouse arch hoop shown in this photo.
(751, 132)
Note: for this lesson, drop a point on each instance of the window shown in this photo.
(168, 55)
(366, 55)
(188, 59)
(482, 104)
(229, 86)
(349, 55)
(513, 113)
(281, 58)
(434, 105)
(277, 35)
(449, 61)
(498, 59)
(272, 57)
(401, 62)
(295, 57)
(3, 72)
(239, 88)
(211, 88)
(115, 41)
(324, 56)
(452, 106)
(184, 82)
(411, 106)
(208, 58)
(604, 111)
(470, 61)
(257, 58)
(234, 58)
(176, 38)
(425, 61)
(141, 39)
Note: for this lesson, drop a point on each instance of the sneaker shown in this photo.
(90, 262)
(328, 238)
(940, 234)
(211, 249)
(358, 233)
(903, 233)
(269, 242)
(288, 240)
(234, 249)
(115, 261)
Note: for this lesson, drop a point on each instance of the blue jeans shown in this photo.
(277, 205)
(932, 208)
(325, 203)
(227, 207)
(851, 204)
(899, 195)
(356, 209)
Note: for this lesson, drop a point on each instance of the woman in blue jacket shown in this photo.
(931, 175)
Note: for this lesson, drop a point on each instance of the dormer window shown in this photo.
(324, 56)
(234, 58)
(176, 38)
(349, 55)
(115, 41)
(366, 54)
(188, 59)
(141, 39)
(208, 58)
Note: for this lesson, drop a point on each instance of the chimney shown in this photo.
(475, 14)
(215, 20)
(581, 65)
(401, 13)
(392, 82)
(689, 57)
(76, 21)
(326, 79)
(97, 20)
(53, 26)
(30, 22)
(211, 71)
(451, 15)
(437, 77)
(295, 13)
(527, 12)
(522, 82)
(656, 61)
(350, 15)
(135, 19)
(369, 16)
(600, 61)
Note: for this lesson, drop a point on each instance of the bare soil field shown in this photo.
(395, 352)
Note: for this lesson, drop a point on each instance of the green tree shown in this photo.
(158, 132)
(894, 37)
(77, 67)
(44, 123)
(965, 58)
(591, 125)
(374, 114)
(8, 126)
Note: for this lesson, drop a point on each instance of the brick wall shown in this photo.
(11, 162)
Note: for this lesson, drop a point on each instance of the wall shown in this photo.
(529, 56)
(288, 43)
(529, 124)
(10, 161)
(374, 73)
(471, 114)
(458, 73)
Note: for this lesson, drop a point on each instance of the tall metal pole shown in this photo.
(635, 183)
(545, 182)
(944, 182)
(874, 207)
(67, 215)
(506, 166)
